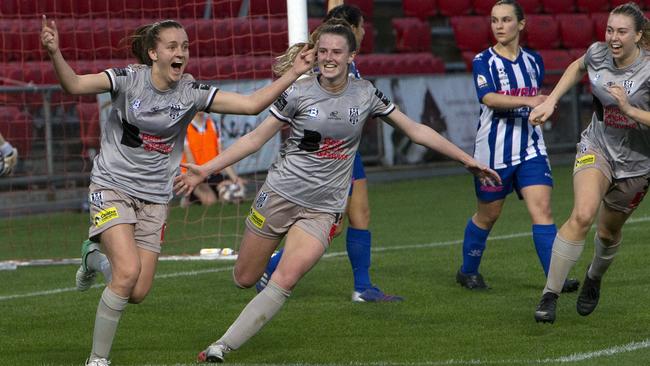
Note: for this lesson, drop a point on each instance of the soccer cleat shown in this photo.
(215, 352)
(98, 362)
(263, 281)
(545, 311)
(570, 285)
(85, 276)
(374, 294)
(472, 282)
(8, 162)
(588, 296)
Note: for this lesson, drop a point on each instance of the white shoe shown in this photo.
(98, 362)
(216, 352)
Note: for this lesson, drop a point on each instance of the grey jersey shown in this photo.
(625, 142)
(142, 140)
(314, 166)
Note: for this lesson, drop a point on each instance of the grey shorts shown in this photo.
(271, 216)
(624, 194)
(110, 207)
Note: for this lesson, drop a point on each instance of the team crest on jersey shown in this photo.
(175, 111)
(312, 113)
(481, 81)
(261, 199)
(354, 115)
(628, 85)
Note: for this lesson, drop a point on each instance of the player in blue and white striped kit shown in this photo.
(508, 79)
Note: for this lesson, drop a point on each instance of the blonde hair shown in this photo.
(332, 26)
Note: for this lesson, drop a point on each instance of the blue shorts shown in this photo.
(536, 171)
(358, 172)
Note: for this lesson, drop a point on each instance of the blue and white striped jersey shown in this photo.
(504, 137)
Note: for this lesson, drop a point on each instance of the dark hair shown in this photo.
(519, 11)
(349, 13)
(145, 37)
(641, 23)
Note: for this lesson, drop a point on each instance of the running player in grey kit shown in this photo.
(141, 146)
(306, 188)
(612, 166)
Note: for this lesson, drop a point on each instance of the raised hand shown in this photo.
(49, 36)
(304, 61)
(185, 183)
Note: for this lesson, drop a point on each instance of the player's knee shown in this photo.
(608, 237)
(126, 276)
(582, 219)
(242, 280)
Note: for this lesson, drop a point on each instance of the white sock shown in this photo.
(603, 257)
(255, 315)
(109, 312)
(564, 257)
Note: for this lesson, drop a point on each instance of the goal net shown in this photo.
(43, 203)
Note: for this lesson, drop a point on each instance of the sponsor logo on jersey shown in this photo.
(312, 113)
(332, 149)
(136, 104)
(121, 71)
(481, 81)
(175, 111)
(354, 115)
(96, 198)
(261, 199)
(256, 218)
(200, 86)
(155, 143)
(613, 117)
(334, 115)
(281, 102)
(104, 216)
(384, 99)
(585, 160)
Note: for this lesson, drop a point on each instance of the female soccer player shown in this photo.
(142, 142)
(306, 188)
(8, 157)
(612, 166)
(358, 238)
(508, 80)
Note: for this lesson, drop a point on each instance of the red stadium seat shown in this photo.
(472, 33)
(451, 8)
(88, 126)
(599, 21)
(576, 30)
(531, 6)
(119, 30)
(483, 7)
(17, 127)
(592, 6)
(412, 35)
(542, 32)
(270, 36)
(422, 9)
(24, 9)
(615, 3)
(555, 62)
(224, 9)
(265, 8)
(367, 7)
(468, 59)
(558, 6)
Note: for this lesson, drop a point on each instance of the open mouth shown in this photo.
(177, 66)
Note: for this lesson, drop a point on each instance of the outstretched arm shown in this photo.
(426, 136)
(234, 103)
(501, 101)
(70, 81)
(248, 144)
(571, 77)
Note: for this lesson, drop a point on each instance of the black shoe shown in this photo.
(588, 296)
(570, 285)
(472, 282)
(545, 311)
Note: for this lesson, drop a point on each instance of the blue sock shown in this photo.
(543, 237)
(473, 247)
(358, 245)
(273, 262)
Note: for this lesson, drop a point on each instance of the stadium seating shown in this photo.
(468, 58)
(592, 6)
(542, 32)
(451, 8)
(88, 126)
(472, 33)
(412, 35)
(558, 6)
(398, 64)
(422, 9)
(576, 30)
(273, 8)
(615, 3)
(367, 7)
(531, 6)
(599, 21)
(555, 62)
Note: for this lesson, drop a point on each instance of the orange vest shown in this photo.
(204, 145)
